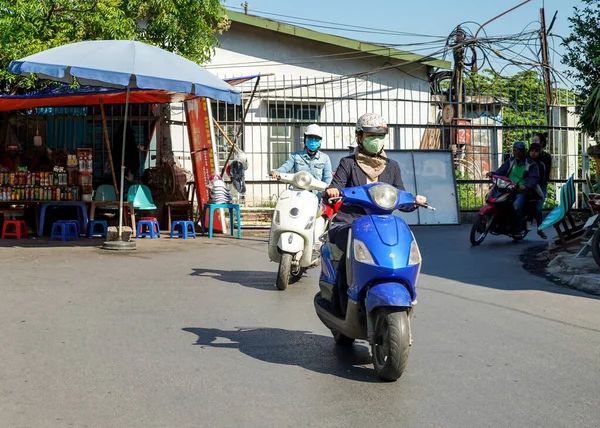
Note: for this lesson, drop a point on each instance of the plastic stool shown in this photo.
(20, 229)
(92, 228)
(70, 221)
(153, 229)
(185, 232)
(211, 208)
(65, 229)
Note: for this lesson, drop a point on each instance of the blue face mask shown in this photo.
(313, 144)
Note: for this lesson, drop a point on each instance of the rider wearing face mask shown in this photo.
(368, 164)
(310, 159)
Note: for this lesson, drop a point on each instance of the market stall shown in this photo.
(43, 180)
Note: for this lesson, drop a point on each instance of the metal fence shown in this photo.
(493, 114)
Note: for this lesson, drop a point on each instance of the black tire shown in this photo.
(392, 343)
(342, 340)
(284, 272)
(477, 234)
(596, 247)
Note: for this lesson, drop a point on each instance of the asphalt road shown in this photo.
(194, 334)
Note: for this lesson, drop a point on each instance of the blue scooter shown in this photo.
(383, 265)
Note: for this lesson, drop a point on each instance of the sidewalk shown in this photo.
(564, 267)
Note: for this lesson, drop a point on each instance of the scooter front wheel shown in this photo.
(392, 342)
(480, 229)
(284, 272)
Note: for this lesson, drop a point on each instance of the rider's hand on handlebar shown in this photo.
(421, 200)
(275, 175)
(489, 174)
(333, 193)
(522, 188)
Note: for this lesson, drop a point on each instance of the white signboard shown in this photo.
(424, 172)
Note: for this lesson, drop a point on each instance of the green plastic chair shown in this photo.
(567, 199)
(141, 197)
(105, 193)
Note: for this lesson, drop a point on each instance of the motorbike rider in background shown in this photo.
(525, 173)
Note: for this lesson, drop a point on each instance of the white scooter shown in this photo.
(296, 227)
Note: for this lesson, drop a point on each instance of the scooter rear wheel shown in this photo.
(480, 229)
(284, 272)
(392, 343)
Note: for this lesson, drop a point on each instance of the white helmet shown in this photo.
(314, 130)
(371, 123)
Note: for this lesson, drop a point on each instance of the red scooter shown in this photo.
(497, 215)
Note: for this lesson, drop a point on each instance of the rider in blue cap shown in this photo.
(310, 159)
(525, 172)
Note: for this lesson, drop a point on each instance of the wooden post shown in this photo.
(106, 139)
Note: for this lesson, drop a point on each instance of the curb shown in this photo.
(574, 272)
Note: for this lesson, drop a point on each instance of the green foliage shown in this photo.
(522, 98)
(582, 55)
(187, 27)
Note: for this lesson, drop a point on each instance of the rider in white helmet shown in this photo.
(368, 164)
(309, 159)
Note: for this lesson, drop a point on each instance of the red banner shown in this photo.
(201, 151)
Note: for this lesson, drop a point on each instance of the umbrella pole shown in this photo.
(123, 167)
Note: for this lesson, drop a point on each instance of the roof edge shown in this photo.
(268, 24)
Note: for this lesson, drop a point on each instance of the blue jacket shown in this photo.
(319, 165)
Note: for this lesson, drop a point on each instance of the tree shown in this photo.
(186, 27)
(583, 56)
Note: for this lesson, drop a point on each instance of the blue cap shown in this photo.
(520, 145)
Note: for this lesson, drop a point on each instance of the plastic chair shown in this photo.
(105, 193)
(141, 197)
(185, 232)
(231, 207)
(92, 228)
(65, 229)
(20, 229)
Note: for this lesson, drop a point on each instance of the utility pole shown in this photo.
(459, 65)
(546, 66)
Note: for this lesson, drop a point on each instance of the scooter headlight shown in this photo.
(384, 195)
(276, 218)
(302, 180)
(361, 253)
(415, 254)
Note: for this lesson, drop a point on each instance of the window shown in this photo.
(286, 137)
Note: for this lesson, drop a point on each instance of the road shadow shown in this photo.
(45, 242)
(496, 263)
(259, 280)
(304, 349)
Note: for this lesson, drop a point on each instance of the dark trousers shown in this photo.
(539, 206)
(518, 207)
(338, 235)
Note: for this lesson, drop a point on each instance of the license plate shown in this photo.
(591, 221)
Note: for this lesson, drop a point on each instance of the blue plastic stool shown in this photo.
(185, 226)
(65, 229)
(70, 221)
(153, 230)
(92, 228)
(212, 208)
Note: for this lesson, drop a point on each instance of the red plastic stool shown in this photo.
(153, 219)
(20, 229)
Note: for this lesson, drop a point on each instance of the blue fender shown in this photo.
(388, 294)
